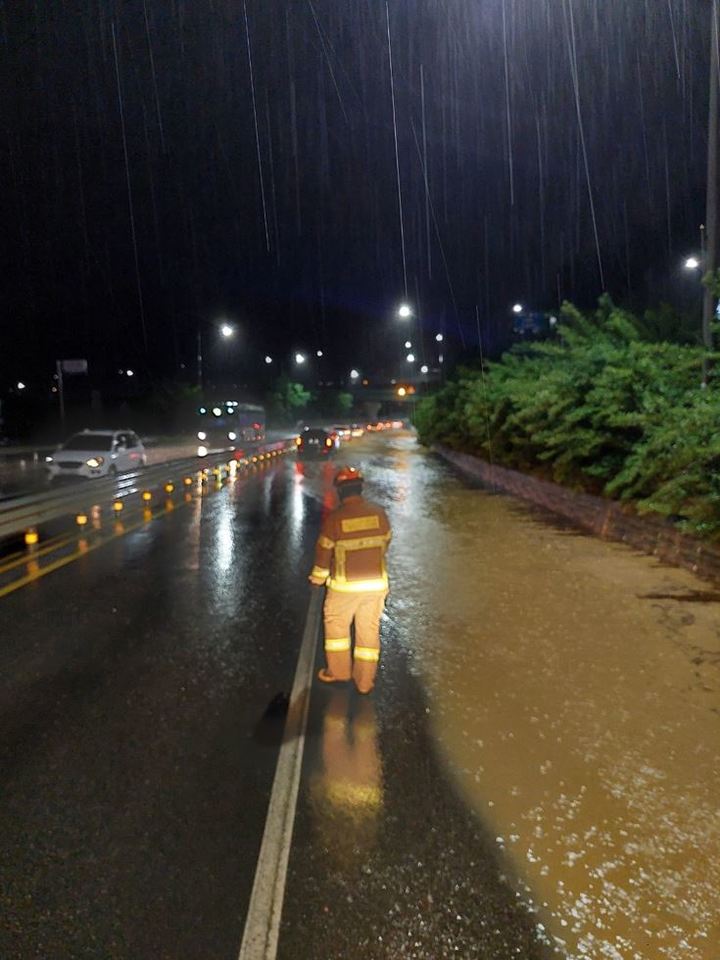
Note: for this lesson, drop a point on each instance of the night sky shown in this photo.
(542, 144)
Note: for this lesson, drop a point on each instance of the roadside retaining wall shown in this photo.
(604, 518)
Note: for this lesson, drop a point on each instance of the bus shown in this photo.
(222, 425)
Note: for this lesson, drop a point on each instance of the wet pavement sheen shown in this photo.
(535, 774)
(135, 770)
(572, 697)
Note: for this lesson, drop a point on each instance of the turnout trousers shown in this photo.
(340, 612)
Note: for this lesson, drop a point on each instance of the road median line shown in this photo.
(262, 924)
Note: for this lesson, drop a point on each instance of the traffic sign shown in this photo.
(74, 366)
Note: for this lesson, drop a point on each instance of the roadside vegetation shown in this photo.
(611, 405)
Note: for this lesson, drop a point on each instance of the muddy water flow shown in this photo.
(573, 689)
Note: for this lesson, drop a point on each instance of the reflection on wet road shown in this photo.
(136, 769)
(537, 770)
(347, 789)
(574, 695)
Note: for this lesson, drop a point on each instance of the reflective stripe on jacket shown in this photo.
(350, 551)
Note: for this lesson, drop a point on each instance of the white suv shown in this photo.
(97, 453)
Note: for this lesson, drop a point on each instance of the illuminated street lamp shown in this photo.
(518, 308)
(404, 311)
(424, 368)
(401, 391)
(354, 374)
(226, 331)
(407, 344)
(411, 358)
(439, 337)
(318, 353)
(129, 373)
(299, 358)
(692, 263)
(268, 359)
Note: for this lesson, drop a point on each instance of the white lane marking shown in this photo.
(262, 924)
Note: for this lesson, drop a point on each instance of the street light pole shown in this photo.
(61, 393)
(199, 358)
(712, 191)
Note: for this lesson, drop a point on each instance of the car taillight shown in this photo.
(328, 442)
(298, 441)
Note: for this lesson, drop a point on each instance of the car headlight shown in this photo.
(95, 462)
(202, 435)
(202, 451)
(232, 436)
(49, 460)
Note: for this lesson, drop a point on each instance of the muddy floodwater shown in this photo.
(573, 688)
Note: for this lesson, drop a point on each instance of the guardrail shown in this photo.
(24, 515)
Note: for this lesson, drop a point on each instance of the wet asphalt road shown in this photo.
(135, 780)
(539, 763)
(137, 761)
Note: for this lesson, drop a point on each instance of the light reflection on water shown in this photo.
(347, 792)
(571, 713)
(297, 509)
(224, 537)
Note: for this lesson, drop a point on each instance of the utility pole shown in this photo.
(711, 221)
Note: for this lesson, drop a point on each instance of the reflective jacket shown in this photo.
(350, 551)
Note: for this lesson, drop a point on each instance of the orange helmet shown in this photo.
(348, 475)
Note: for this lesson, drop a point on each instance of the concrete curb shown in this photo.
(605, 518)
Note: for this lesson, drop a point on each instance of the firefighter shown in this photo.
(350, 560)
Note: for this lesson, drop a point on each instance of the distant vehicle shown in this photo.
(344, 431)
(357, 431)
(225, 424)
(315, 444)
(97, 453)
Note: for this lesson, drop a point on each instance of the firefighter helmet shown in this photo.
(348, 475)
